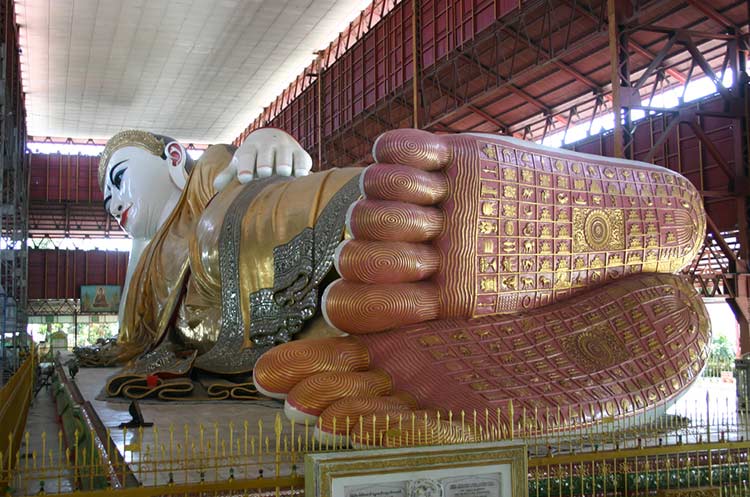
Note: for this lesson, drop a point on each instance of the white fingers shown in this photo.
(226, 176)
(266, 152)
(302, 162)
(245, 157)
(264, 165)
(284, 160)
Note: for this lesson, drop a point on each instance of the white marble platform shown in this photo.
(175, 439)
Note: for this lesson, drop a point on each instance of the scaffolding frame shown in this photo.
(13, 197)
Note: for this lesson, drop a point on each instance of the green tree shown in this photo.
(722, 352)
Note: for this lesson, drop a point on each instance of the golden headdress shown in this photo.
(129, 138)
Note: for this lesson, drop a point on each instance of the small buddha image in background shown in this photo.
(100, 299)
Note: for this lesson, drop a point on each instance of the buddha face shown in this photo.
(137, 188)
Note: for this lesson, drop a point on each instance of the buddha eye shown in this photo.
(117, 179)
(115, 174)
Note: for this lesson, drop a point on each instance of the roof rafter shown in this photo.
(465, 102)
(637, 48)
(712, 13)
(562, 65)
(512, 87)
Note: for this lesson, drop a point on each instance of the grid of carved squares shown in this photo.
(636, 346)
(536, 211)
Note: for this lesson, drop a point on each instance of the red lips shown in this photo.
(124, 217)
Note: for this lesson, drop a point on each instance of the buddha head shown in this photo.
(139, 174)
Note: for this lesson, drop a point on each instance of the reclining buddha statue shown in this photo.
(465, 272)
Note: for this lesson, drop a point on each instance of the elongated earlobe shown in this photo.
(176, 158)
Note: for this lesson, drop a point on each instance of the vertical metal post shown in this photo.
(5, 352)
(742, 152)
(624, 66)
(319, 97)
(617, 12)
(742, 172)
(4, 327)
(416, 62)
(75, 328)
(319, 84)
(614, 61)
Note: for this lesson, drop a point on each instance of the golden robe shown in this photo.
(256, 237)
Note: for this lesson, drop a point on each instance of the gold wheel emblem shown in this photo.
(596, 349)
(597, 230)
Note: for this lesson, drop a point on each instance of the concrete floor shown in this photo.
(43, 439)
(190, 441)
(190, 438)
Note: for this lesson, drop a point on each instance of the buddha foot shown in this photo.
(462, 226)
(620, 350)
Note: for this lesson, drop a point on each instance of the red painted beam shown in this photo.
(712, 13)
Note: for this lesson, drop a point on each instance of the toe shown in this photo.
(404, 183)
(343, 416)
(362, 308)
(412, 147)
(385, 262)
(281, 368)
(310, 397)
(394, 221)
(398, 429)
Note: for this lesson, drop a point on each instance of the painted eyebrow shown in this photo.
(107, 199)
(112, 171)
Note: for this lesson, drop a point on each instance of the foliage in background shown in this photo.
(722, 353)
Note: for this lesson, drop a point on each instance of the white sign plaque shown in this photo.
(418, 484)
(478, 470)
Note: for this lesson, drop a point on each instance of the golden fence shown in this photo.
(718, 369)
(703, 444)
(15, 398)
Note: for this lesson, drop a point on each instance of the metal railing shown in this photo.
(701, 442)
(15, 399)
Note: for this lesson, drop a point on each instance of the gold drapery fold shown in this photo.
(179, 269)
(159, 278)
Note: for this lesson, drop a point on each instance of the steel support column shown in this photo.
(618, 12)
(416, 61)
(741, 305)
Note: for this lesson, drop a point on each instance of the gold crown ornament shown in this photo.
(129, 138)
